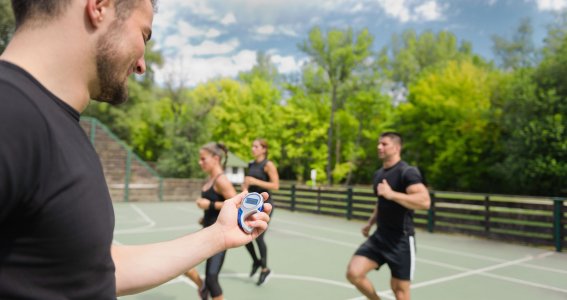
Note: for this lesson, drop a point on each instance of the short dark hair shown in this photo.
(396, 137)
(46, 10)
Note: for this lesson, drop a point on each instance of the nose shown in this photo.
(140, 66)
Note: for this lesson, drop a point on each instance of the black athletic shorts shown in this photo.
(397, 251)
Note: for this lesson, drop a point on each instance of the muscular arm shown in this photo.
(416, 196)
(142, 267)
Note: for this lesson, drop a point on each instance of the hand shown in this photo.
(385, 190)
(203, 203)
(227, 222)
(249, 180)
(366, 230)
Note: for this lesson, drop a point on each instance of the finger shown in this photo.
(238, 198)
(259, 216)
(268, 208)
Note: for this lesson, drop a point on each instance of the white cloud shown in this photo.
(398, 9)
(212, 33)
(413, 10)
(270, 30)
(429, 11)
(189, 31)
(195, 70)
(228, 19)
(211, 48)
(551, 4)
(357, 8)
(286, 64)
(265, 30)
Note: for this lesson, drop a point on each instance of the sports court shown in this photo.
(308, 255)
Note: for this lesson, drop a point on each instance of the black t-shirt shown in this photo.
(256, 170)
(394, 218)
(56, 216)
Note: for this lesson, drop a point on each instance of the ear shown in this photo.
(97, 11)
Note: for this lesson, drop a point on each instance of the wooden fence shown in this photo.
(537, 221)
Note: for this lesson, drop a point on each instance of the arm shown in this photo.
(141, 267)
(226, 189)
(273, 184)
(416, 196)
(371, 221)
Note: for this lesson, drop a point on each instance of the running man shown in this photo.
(400, 190)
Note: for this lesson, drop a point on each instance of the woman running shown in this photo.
(262, 177)
(212, 159)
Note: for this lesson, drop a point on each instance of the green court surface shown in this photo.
(308, 255)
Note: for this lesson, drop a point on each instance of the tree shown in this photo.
(7, 24)
(520, 51)
(447, 126)
(338, 53)
(409, 54)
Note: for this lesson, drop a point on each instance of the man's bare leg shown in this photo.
(401, 288)
(357, 269)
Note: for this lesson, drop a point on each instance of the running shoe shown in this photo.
(264, 276)
(255, 266)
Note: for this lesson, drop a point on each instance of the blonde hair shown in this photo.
(217, 149)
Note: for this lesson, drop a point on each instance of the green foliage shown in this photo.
(445, 123)
(338, 53)
(245, 112)
(520, 51)
(410, 54)
(7, 24)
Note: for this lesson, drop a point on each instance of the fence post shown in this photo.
(349, 203)
(431, 213)
(92, 134)
(319, 200)
(557, 224)
(486, 214)
(292, 197)
(160, 192)
(127, 175)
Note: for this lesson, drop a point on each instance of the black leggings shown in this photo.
(214, 264)
(261, 246)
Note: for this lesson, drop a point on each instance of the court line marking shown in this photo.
(145, 217)
(468, 272)
(460, 253)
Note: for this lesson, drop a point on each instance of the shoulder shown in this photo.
(270, 165)
(222, 182)
(411, 174)
(19, 116)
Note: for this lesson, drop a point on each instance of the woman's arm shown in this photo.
(225, 188)
(274, 179)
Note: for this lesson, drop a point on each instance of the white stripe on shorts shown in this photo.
(412, 256)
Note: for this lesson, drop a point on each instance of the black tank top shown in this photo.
(211, 215)
(256, 170)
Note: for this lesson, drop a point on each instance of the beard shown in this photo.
(113, 86)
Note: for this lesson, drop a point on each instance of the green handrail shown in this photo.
(94, 123)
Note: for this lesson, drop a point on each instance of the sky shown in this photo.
(205, 39)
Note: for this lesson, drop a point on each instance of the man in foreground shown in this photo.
(56, 215)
